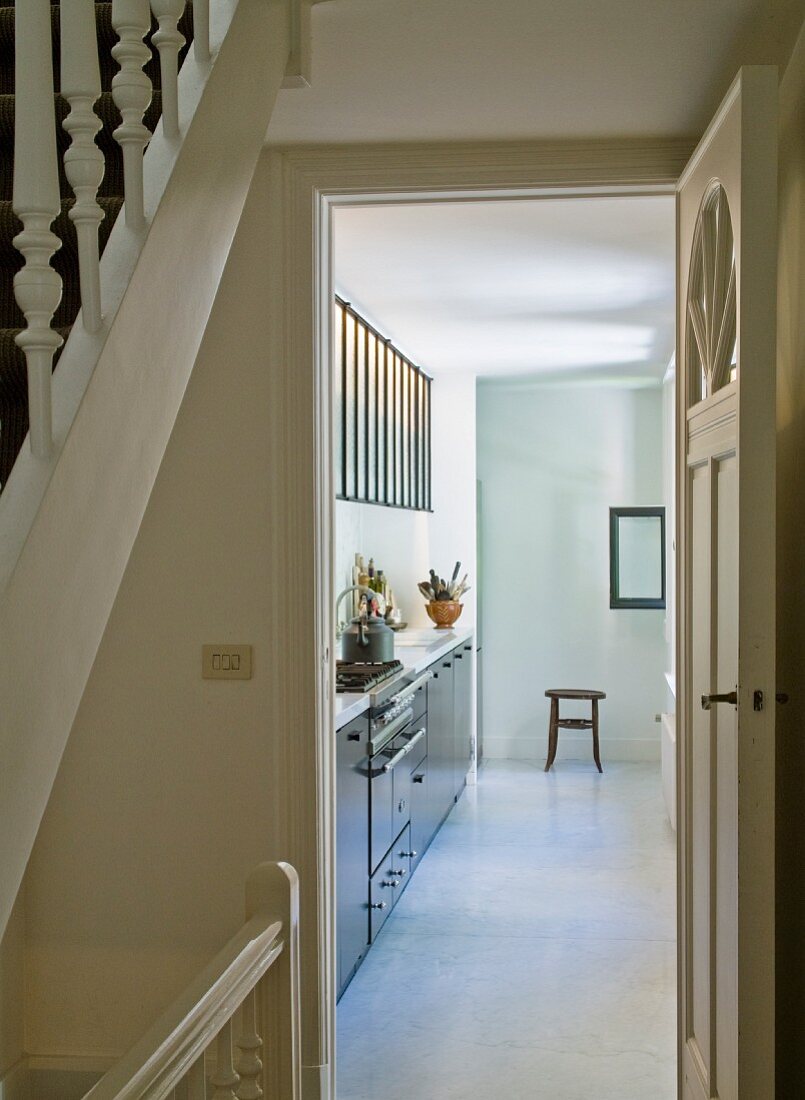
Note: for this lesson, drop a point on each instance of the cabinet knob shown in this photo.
(419, 778)
(353, 737)
(400, 873)
(407, 855)
(379, 905)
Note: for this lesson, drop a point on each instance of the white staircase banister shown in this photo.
(172, 1047)
(37, 287)
(131, 91)
(201, 29)
(83, 161)
(168, 40)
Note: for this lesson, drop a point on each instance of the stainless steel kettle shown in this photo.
(366, 639)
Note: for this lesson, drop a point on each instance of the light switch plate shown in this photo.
(226, 662)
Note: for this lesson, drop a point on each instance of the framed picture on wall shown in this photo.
(636, 558)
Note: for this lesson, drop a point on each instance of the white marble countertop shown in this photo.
(417, 649)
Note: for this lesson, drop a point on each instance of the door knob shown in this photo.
(728, 697)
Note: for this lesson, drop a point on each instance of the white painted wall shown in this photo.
(406, 544)
(67, 526)
(12, 988)
(171, 788)
(552, 461)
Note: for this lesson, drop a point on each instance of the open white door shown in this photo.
(726, 260)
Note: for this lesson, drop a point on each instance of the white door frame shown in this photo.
(307, 183)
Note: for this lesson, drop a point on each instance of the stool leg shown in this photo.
(553, 734)
(596, 746)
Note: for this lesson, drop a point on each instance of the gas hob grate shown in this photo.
(360, 677)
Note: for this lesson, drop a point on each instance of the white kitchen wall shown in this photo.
(551, 462)
(405, 544)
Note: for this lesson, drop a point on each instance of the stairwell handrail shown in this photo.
(257, 972)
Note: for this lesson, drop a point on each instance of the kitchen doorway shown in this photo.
(571, 839)
(306, 186)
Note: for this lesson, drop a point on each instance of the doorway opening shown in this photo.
(527, 930)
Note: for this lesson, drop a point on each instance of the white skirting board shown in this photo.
(572, 746)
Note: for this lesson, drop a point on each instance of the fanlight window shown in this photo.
(711, 332)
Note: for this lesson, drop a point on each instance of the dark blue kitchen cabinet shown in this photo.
(352, 845)
(441, 743)
(462, 715)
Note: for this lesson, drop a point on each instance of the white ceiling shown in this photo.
(559, 289)
(398, 70)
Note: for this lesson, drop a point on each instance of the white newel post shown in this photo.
(83, 161)
(201, 29)
(131, 91)
(272, 889)
(37, 287)
(169, 40)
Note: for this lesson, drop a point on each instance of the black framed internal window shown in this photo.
(383, 419)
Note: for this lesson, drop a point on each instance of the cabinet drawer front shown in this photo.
(420, 749)
(420, 820)
(382, 895)
(400, 863)
(420, 702)
(381, 811)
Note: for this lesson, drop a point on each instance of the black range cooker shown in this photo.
(378, 782)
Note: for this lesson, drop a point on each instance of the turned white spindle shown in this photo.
(224, 1079)
(201, 29)
(37, 287)
(249, 1044)
(83, 161)
(131, 91)
(169, 40)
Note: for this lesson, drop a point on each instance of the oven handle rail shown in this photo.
(409, 689)
(403, 752)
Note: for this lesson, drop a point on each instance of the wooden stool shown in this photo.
(556, 722)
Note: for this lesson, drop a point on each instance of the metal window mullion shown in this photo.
(429, 452)
(385, 422)
(356, 418)
(343, 401)
(418, 438)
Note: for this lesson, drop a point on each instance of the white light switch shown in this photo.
(226, 662)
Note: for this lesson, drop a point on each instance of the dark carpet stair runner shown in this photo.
(13, 378)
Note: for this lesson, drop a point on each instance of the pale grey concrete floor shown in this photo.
(533, 956)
